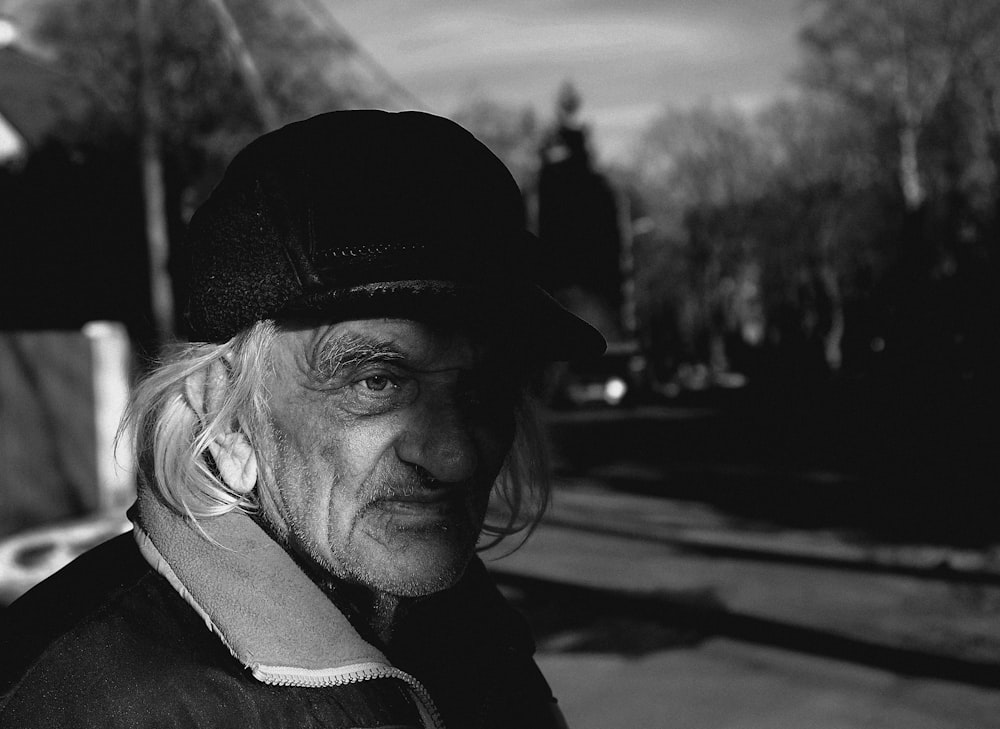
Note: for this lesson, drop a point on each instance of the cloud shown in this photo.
(471, 39)
(629, 58)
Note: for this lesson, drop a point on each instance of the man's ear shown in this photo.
(231, 451)
(236, 461)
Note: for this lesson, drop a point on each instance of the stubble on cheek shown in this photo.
(301, 502)
(332, 519)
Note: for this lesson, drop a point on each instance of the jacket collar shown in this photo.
(271, 616)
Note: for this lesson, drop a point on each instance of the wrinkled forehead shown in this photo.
(420, 344)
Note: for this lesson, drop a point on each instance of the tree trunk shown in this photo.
(909, 168)
(833, 339)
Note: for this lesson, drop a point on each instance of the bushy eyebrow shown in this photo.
(351, 352)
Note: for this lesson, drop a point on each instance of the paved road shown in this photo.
(838, 459)
(651, 627)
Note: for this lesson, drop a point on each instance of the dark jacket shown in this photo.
(163, 628)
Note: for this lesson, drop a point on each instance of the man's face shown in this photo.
(387, 436)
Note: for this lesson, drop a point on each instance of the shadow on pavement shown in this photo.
(570, 619)
(937, 568)
(566, 618)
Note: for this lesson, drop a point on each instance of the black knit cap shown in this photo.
(357, 214)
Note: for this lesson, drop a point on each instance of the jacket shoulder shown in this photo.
(108, 643)
(60, 604)
(82, 644)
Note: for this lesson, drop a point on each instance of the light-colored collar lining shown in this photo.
(252, 595)
(156, 561)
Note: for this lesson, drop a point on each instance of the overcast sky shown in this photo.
(629, 58)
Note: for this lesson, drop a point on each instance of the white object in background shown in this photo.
(11, 144)
(111, 358)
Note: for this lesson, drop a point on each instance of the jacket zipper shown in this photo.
(352, 674)
(289, 676)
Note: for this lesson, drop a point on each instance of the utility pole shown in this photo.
(153, 188)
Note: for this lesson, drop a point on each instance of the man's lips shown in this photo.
(438, 501)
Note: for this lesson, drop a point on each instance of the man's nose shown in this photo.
(438, 439)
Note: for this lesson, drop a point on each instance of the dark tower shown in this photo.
(577, 219)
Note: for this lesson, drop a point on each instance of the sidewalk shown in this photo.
(723, 684)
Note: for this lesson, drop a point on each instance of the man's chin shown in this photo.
(422, 567)
(409, 553)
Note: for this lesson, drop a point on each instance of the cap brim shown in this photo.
(553, 332)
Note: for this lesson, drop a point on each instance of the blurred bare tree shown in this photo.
(864, 209)
(892, 58)
(925, 73)
(694, 162)
(751, 216)
(207, 105)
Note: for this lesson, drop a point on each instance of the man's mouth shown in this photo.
(424, 504)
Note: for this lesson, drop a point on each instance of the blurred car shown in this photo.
(618, 378)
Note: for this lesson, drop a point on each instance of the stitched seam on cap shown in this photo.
(367, 250)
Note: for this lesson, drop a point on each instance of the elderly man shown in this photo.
(316, 465)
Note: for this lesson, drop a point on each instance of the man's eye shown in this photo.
(376, 383)
(373, 394)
